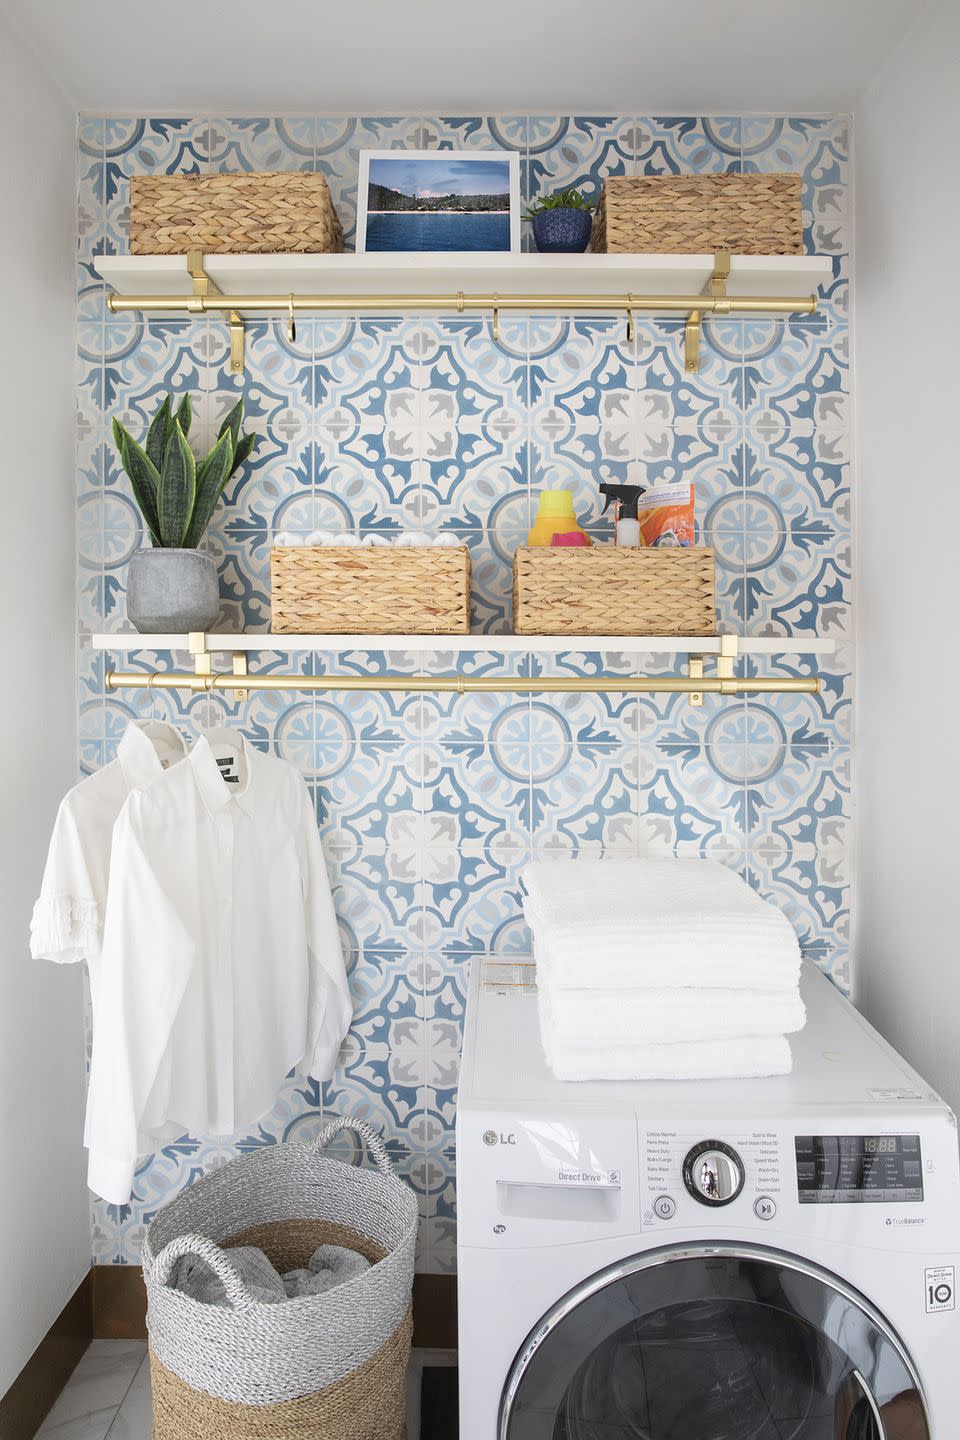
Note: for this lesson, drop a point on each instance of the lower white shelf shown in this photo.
(225, 642)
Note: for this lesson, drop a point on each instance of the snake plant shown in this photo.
(177, 493)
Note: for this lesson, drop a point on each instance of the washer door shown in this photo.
(713, 1343)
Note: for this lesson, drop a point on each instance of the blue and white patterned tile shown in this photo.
(477, 132)
(587, 405)
(577, 152)
(472, 899)
(687, 144)
(261, 143)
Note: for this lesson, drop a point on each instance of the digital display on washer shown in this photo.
(858, 1169)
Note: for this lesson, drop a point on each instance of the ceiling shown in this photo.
(380, 57)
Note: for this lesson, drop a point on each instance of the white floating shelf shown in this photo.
(488, 644)
(789, 276)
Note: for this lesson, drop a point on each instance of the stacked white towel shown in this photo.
(653, 969)
(403, 540)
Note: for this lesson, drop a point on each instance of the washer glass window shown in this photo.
(711, 1346)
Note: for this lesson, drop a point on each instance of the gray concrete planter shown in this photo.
(172, 591)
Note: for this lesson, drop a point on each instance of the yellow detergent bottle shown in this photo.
(554, 517)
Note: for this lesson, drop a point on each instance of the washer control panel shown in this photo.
(741, 1170)
(713, 1173)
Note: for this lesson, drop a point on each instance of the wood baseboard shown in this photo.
(120, 1307)
(49, 1368)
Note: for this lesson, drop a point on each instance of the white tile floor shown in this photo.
(109, 1394)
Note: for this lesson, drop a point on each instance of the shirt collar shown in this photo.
(138, 751)
(213, 788)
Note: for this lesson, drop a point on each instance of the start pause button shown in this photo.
(939, 1285)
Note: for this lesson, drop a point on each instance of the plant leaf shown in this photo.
(159, 433)
(233, 422)
(145, 482)
(120, 436)
(178, 488)
(212, 475)
(184, 415)
(243, 447)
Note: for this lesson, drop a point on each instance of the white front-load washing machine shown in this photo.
(681, 1260)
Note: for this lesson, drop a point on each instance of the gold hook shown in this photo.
(496, 318)
(630, 329)
(291, 323)
(152, 694)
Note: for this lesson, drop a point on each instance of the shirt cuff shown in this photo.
(64, 929)
(110, 1178)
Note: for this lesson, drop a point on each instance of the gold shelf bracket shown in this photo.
(239, 669)
(204, 289)
(202, 659)
(695, 672)
(720, 304)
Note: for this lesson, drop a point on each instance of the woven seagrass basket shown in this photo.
(610, 590)
(697, 214)
(275, 213)
(318, 1367)
(381, 590)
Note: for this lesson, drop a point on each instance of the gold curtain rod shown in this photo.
(471, 684)
(459, 302)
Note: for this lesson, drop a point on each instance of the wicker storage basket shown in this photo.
(233, 214)
(608, 590)
(319, 1367)
(697, 214)
(340, 590)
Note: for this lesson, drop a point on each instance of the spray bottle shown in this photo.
(625, 516)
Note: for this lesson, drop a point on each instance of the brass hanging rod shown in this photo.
(459, 301)
(470, 684)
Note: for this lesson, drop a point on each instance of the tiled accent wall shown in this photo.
(429, 807)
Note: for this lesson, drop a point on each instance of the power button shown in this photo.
(665, 1206)
(764, 1208)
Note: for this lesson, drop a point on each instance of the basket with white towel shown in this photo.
(650, 969)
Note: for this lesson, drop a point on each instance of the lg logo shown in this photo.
(490, 1137)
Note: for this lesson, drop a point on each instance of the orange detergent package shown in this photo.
(666, 515)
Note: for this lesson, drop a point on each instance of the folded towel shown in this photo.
(194, 1277)
(289, 537)
(639, 963)
(738, 1057)
(614, 924)
(330, 1265)
(598, 1019)
(668, 895)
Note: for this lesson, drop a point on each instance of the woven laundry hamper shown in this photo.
(318, 1367)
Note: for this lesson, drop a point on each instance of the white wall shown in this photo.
(44, 1241)
(908, 385)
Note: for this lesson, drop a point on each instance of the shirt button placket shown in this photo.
(224, 986)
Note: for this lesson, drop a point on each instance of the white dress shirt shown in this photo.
(67, 924)
(221, 968)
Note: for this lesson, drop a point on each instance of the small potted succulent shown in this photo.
(561, 222)
(173, 586)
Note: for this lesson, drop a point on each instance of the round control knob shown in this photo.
(713, 1173)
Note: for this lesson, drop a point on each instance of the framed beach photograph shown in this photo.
(432, 200)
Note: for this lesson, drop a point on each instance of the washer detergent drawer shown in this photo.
(585, 1202)
(533, 1182)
